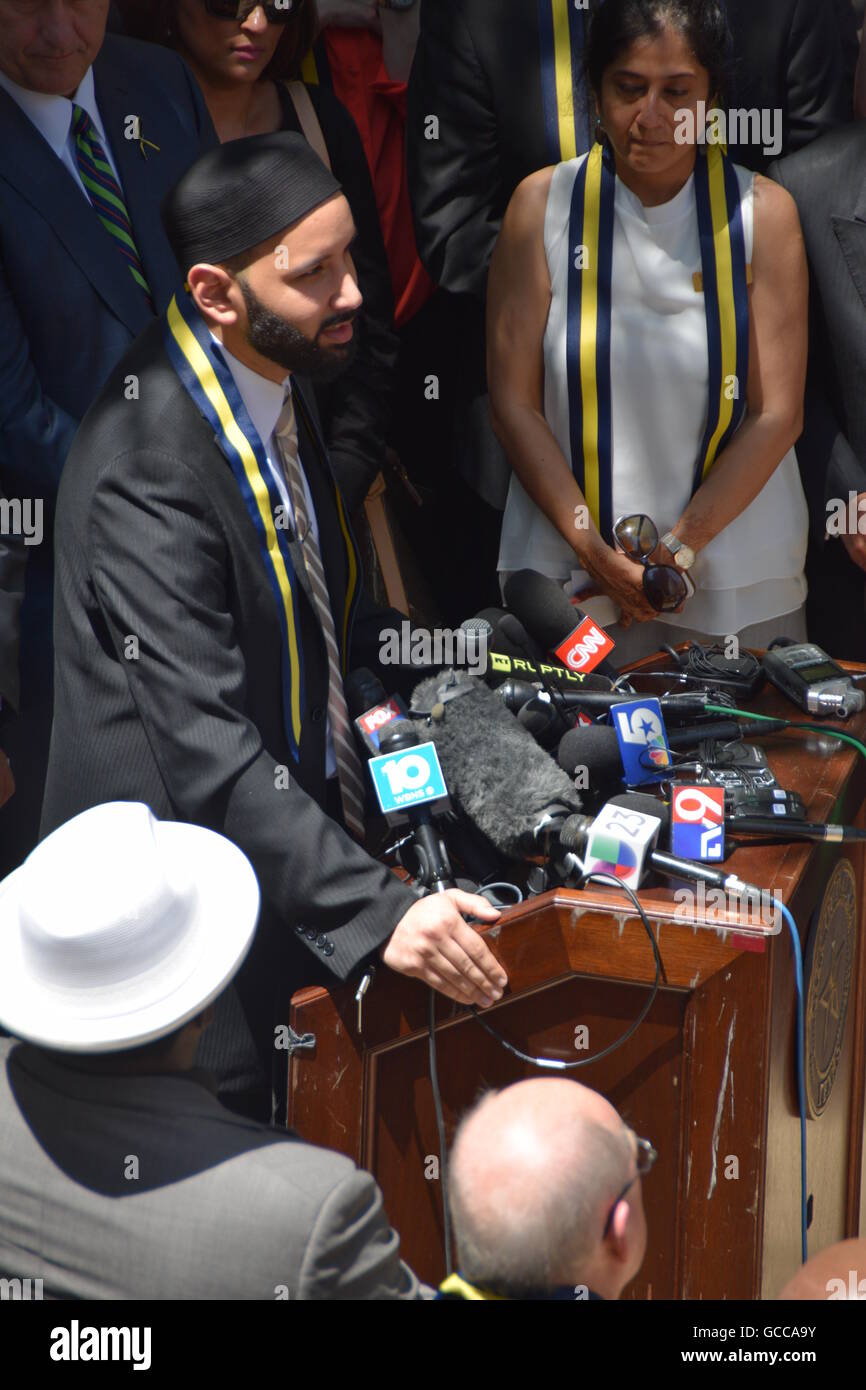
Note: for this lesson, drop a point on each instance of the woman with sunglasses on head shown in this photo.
(246, 58)
(647, 353)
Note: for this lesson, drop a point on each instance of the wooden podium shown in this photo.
(708, 1077)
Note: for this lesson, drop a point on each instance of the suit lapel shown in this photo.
(851, 237)
(31, 166)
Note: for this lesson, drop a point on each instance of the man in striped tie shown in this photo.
(95, 129)
(209, 603)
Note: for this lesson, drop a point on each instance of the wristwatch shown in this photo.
(684, 556)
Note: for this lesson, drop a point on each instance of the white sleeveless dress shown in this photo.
(753, 570)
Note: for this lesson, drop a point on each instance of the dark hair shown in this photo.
(117, 1061)
(152, 20)
(617, 24)
(161, 1046)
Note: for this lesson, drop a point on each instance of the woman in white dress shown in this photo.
(647, 351)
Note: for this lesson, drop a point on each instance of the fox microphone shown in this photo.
(370, 708)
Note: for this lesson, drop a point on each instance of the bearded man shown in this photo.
(208, 603)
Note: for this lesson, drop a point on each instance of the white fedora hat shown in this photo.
(118, 928)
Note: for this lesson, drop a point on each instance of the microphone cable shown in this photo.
(558, 1063)
(440, 1129)
(791, 724)
(801, 1068)
(437, 1098)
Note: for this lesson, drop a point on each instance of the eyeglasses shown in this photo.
(665, 586)
(276, 13)
(645, 1157)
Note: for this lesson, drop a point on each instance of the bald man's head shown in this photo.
(535, 1170)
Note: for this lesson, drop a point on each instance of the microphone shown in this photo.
(724, 730)
(511, 638)
(363, 690)
(593, 752)
(434, 870)
(542, 718)
(681, 703)
(575, 834)
(514, 694)
(788, 828)
(503, 636)
(549, 714)
(507, 786)
(370, 708)
(784, 828)
(548, 616)
(480, 630)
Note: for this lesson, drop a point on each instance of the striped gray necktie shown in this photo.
(350, 773)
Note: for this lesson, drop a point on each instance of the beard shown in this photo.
(281, 342)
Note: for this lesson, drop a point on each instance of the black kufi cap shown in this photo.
(241, 193)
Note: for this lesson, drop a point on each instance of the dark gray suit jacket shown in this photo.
(13, 564)
(154, 544)
(828, 182)
(69, 308)
(145, 1187)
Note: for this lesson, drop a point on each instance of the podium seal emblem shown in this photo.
(829, 965)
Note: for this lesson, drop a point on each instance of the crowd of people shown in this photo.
(587, 295)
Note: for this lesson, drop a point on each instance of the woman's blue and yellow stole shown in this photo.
(203, 371)
(561, 36)
(724, 284)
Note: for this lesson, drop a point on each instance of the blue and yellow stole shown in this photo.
(561, 34)
(725, 290)
(205, 375)
(315, 68)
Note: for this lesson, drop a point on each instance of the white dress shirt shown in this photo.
(264, 400)
(52, 117)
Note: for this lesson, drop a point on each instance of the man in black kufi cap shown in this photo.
(209, 605)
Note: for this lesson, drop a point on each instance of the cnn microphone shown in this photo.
(547, 615)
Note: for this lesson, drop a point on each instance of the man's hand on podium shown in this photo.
(433, 943)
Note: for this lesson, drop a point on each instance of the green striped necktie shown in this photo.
(106, 196)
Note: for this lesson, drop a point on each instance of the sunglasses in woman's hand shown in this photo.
(665, 586)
